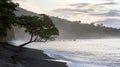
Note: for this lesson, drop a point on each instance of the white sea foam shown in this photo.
(83, 53)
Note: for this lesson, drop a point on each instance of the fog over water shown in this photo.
(82, 52)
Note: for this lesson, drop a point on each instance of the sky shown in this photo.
(86, 11)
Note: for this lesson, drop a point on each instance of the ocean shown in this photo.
(82, 52)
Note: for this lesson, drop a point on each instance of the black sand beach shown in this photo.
(10, 57)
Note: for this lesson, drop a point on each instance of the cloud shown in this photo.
(101, 9)
(19, 0)
(68, 10)
(115, 23)
(84, 8)
(110, 3)
(111, 13)
(81, 4)
(105, 0)
(90, 4)
(92, 11)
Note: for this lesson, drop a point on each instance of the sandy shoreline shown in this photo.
(27, 58)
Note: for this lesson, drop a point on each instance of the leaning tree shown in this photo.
(40, 28)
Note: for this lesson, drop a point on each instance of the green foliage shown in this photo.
(40, 28)
(7, 16)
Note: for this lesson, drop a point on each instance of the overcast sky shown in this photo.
(85, 10)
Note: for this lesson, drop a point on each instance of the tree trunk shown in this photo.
(25, 44)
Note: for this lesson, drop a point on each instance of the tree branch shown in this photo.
(31, 37)
(35, 38)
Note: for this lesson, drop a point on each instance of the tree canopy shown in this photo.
(7, 16)
(40, 28)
